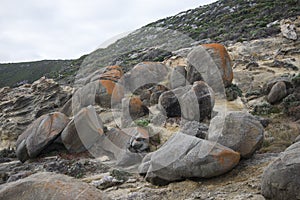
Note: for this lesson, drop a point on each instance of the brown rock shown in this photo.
(46, 185)
(40, 134)
(203, 59)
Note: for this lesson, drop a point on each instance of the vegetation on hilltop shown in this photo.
(222, 21)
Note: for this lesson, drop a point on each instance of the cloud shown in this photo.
(61, 29)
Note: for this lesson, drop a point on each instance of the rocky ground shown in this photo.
(256, 63)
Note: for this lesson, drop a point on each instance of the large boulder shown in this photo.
(202, 61)
(184, 156)
(178, 77)
(277, 93)
(194, 128)
(83, 131)
(132, 108)
(281, 179)
(145, 73)
(267, 87)
(20, 106)
(239, 131)
(193, 102)
(136, 108)
(156, 91)
(46, 185)
(40, 134)
(104, 93)
(127, 146)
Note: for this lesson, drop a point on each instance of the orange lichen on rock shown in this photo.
(113, 73)
(226, 63)
(113, 89)
(135, 104)
(227, 155)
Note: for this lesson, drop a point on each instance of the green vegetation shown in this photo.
(142, 122)
(13, 74)
(232, 20)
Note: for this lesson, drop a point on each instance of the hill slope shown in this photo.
(222, 21)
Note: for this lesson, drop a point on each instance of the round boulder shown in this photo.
(47, 186)
(239, 131)
(193, 102)
(277, 93)
(184, 156)
(202, 59)
(281, 179)
(83, 131)
(40, 134)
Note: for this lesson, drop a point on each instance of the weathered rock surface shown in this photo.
(145, 73)
(156, 91)
(127, 146)
(20, 106)
(99, 92)
(281, 179)
(132, 108)
(194, 128)
(190, 102)
(205, 60)
(277, 93)
(239, 131)
(178, 77)
(137, 109)
(113, 73)
(47, 185)
(40, 134)
(184, 156)
(82, 132)
(288, 29)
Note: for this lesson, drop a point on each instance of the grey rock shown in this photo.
(178, 77)
(127, 146)
(288, 29)
(194, 128)
(104, 93)
(239, 131)
(83, 131)
(193, 103)
(184, 156)
(269, 84)
(106, 182)
(132, 108)
(277, 93)
(47, 185)
(145, 73)
(281, 179)
(156, 91)
(193, 74)
(211, 62)
(22, 105)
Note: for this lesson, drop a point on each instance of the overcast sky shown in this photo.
(62, 29)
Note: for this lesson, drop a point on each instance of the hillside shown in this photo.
(223, 21)
(211, 121)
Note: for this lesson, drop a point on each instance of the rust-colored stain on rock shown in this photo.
(224, 155)
(220, 50)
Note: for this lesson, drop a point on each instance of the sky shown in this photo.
(65, 29)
